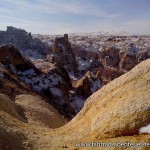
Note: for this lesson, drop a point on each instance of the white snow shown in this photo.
(31, 54)
(96, 85)
(133, 50)
(92, 48)
(29, 72)
(80, 102)
(71, 75)
(145, 129)
(83, 64)
(57, 92)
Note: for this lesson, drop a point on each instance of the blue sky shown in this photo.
(72, 16)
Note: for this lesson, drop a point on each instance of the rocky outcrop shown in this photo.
(84, 86)
(124, 58)
(63, 53)
(22, 40)
(30, 112)
(143, 55)
(88, 84)
(109, 57)
(108, 74)
(11, 55)
(51, 81)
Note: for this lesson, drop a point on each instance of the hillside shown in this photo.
(115, 113)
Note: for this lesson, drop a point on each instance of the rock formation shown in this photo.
(109, 57)
(88, 84)
(51, 81)
(117, 109)
(115, 113)
(63, 53)
(124, 58)
(22, 40)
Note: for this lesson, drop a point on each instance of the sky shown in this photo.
(74, 16)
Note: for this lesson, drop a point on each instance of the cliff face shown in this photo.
(114, 113)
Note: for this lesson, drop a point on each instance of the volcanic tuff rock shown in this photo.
(22, 40)
(51, 81)
(125, 57)
(63, 53)
(113, 114)
(120, 108)
(88, 84)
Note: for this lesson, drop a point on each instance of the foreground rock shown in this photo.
(113, 114)
(120, 108)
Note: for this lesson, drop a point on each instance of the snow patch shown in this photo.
(56, 92)
(145, 129)
(29, 72)
(96, 85)
(83, 64)
(71, 75)
(78, 103)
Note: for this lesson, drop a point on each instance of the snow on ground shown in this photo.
(56, 92)
(83, 64)
(96, 85)
(92, 48)
(31, 54)
(42, 81)
(29, 72)
(145, 129)
(72, 76)
(77, 103)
